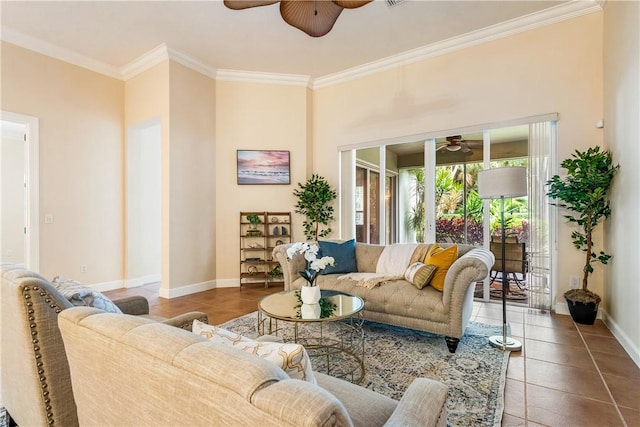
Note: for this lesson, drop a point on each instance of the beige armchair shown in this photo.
(36, 386)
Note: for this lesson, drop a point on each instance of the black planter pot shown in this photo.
(583, 313)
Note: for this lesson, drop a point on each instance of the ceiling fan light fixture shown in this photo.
(455, 147)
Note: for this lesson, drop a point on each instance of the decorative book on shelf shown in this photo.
(260, 232)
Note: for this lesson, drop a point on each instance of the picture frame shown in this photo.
(263, 167)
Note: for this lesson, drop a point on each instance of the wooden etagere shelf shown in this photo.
(260, 232)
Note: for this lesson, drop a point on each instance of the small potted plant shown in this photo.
(314, 198)
(583, 192)
(254, 220)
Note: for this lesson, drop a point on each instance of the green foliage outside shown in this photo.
(314, 202)
(450, 209)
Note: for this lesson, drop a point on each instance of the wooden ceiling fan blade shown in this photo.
(351, 4)
(316, 18)
(246, 4)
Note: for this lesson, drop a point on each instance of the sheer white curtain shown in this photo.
(541, 250)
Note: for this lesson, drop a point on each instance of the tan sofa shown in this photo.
(400, 303)
(36, 387)
(127, 371)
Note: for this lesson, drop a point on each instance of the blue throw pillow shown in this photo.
(344, 254)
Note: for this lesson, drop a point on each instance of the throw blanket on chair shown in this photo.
(392, 264)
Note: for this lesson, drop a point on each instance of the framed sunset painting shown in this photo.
(259, 167)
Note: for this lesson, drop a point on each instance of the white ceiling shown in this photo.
(115, 34)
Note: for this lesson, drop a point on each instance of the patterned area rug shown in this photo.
(394, 356)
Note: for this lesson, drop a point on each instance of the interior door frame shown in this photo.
(32, 184)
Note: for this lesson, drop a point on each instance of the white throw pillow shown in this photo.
(292, 358)
(80, 295)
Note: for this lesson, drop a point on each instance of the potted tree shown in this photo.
(314, 202)
(583, 192)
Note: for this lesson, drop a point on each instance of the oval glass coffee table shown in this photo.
(330, 331)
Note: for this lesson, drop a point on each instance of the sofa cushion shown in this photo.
(443, 259)
(419, 274)
(291, 358)
(343, 253)
(80, 295)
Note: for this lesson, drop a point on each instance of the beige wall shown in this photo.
(255, 116)
(81, 169)
(557, 68)
(622, 133)
(146, 100)
(192, 181)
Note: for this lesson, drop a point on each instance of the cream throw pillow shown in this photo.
(292, 358)
(419, 274)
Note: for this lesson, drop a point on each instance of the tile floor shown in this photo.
(566, 374)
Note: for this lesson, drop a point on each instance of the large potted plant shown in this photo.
(314, 202)
(583, 192)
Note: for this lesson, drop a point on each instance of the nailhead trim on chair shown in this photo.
(36, 348)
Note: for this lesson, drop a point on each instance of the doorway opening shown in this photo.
(144, 195)
(19, 210)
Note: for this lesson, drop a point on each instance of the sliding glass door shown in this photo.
(427, 191)
(371, 209)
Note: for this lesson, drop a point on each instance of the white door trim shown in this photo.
(32, 182)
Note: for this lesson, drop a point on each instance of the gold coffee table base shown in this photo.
(335, 343)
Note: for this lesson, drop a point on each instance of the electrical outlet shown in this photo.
(574, 282)
(83, 268)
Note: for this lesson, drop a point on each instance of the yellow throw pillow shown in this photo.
(441, 258)
(419, 274)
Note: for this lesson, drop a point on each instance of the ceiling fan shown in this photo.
(314, 17)
(457, 143)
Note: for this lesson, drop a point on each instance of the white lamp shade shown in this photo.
(502, 182)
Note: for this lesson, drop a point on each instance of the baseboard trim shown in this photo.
(187, 290)
(108, 286)
(228, 283)
(141, 281)
(621, 336)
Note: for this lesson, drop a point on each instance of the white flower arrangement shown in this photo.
(314, 264)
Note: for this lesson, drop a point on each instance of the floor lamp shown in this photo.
(499, 183)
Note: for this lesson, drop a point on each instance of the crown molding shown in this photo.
(148, 60)
(261, 77)
(534, 20)
(192, 63)
(572, 9)
(160, 54)
(45, 48)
